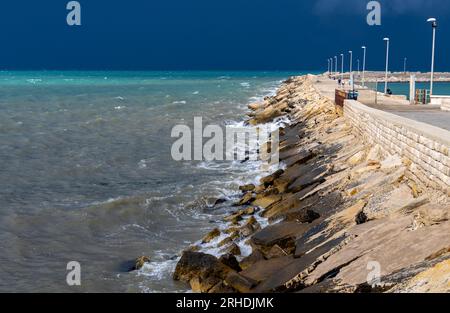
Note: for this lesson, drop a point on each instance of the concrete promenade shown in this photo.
(429, 114)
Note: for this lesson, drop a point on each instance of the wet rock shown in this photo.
(239, 282)
(193, 248)
(233, 249)
(268, 180)
(139, 263)
(230, 261)
(249, 211)
(234, 216)
(255, 106)
(197, 264)
(220, 201)
(265, 202)
(246, 199)
(211, 236)
(247, 188)
(231, 230)
(250, 227)
(253, 258)
(225, 242)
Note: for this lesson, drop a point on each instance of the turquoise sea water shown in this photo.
(86, 173)
(439, 88)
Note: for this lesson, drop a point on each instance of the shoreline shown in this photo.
(339, 204)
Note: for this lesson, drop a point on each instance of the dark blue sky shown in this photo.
(217, 34)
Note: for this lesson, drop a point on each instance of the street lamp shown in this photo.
(328, 68)
(404, 65)
(335, 65)
(364, 65)
(332, 65)
(351, 61)
(357, 62)
(387, 65)
(433, 22)
(342, 68)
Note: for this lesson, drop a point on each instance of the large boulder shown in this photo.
(197, 264)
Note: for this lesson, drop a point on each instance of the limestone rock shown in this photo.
(247, 188)
(230, 261)
(253, 258)
(140, 262)
(211, 236)
(239, 282)
(197, 264)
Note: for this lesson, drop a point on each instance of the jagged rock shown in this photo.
(253, 258)
(203, 285)
(250, 211)
(265, 202)
(302, 216)
(230, 261)
(255, 106)
(211, 235)
(250, 227)
(221, 288)
(268, 180)
(220, 201)
(247, 188)
(239, 282)
(193, 248)
(246, 199)
(231, 230)
(309, 175)
(197, 264)
(275, 252)
(234, 216)
(233, 249)
(140, 262)
(225, 242)
(361, 218)
(282, 234)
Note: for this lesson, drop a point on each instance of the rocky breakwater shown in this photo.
(342, 211)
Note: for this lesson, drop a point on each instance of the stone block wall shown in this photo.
(426, 146)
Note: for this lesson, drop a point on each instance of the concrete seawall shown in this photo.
(425, 145)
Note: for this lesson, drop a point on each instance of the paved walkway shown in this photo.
(398, 105)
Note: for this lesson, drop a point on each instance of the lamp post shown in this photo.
(331, 65)
(404, 65)
(342, 67)
(351, 61)
(357, 62)
(433, 22)
(335, 65)
(328, 68)
(387, 65)
(364, 65)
